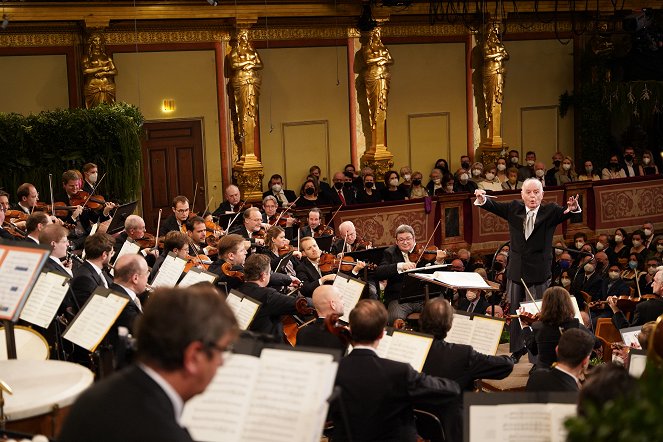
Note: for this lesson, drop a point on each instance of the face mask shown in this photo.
(600, 246)
(613, 275)
(566, 282)
(476, 172)
(464, 177)
(558, 252)
(498, 266)
(651, 270)
(619, 238)
(637, 244)
(566, 166)
(633, 265)
(93, 178)
(416, 182)
(589, 170)
(646, 160)
(501, 167)
(564, 264)
(557, 163)
(614, 166)
(347, 184)
(490, 176)
(393, 182)
(540, 173)
(368, 184)
(465, 165)
(407, 177)
(470, 295)
(579, 244)
(647, 232)
(437, 180)
(589, 268)
(276, 188)
(530, 163)
(659, 248)
(450, 188)
(514, 160)
(338, 186)
(628, 158)
(309, 191)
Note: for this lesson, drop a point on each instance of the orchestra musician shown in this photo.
(314, 222)
(54, 236)
(92, 273)
(176, 242)
(177, 221)
(327, 301)
(196, 229)
(134, 228)
(347, 236)
(27, 196)
(232, 203)
(35, 224)
(277, 248)
(4, 206)
(250, 227)
(270, 215)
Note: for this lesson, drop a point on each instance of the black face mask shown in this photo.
(338, 186)
(614, 166)
(368, 185)
(347, 184)
(309, 191)
(465, 165)
(498, 266)
(416, 182)
(557, 163)
(628, 158)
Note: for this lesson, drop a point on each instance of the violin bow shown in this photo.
(50, 187)
(530, 295)
(332, 218)
(207, 206)
(340, 261)
(156, 237)
(235, 217)
(290, 206)
(94, 189)
(195, 194)
(429, 239)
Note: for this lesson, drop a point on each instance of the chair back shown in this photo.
(429, 426)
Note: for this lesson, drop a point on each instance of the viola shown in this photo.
(227, 269)
(339, 330)
(291, 325)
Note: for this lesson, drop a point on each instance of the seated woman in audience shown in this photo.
(638, 246)
(406, 184)
(618, 250)
(311, 196)
(501, 170)
(565, 279)
(648, 167)
(556, 316)
(477, 172)
(512, 182)
(658, 248)
(447, 184)
(490, 180)
(566, 173)
(417, 190)
(442, 165)
(434, 186)
(613, 169)
(634, 267)
(368, 193)
(463, 182)
(392, 192)
(589, 174)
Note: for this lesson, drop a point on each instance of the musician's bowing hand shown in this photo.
(357, 268)
(440, 255)
(409, 265)
(612, 302)
(296, 282)
(480, 194)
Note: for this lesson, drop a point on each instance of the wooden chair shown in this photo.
(606, 330)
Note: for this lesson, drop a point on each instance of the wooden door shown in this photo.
(172, 165)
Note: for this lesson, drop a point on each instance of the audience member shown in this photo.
(613, 170)
(567, 173)
(588, 173)
(512, 182)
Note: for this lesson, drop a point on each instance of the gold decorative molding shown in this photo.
(166, 36)
(31, 40)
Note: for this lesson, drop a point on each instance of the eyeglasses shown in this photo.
(404, 240)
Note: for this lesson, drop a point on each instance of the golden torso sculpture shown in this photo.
(99, 73)
(377, 77)
(245, 66)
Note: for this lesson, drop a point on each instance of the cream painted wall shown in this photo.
(538, 72)
(33, 83)
(188, 77)
(427, 93)
(300, 99)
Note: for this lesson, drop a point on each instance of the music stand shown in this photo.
(373, 255)
(324, 242)
(119, 217)
(416, 289)
(226, 218)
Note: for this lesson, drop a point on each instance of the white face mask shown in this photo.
(470, 295)
(647, 232)
(637, 243)
(659, 248)
(613, 275)
(476, 172)
(393, 182)
(646, 160)
(559, 251)
(589, 268)
(464, 177)
(490, 176)
(539, 172)
(566, 166)
(407, 177)
(93, 178)
(619, 238)
(514, 160)
(589, 170)
(530, 163)
(579, 244)
(501, 167)
(600, 246)
(566, 282)
(437, 180)
(276, 188)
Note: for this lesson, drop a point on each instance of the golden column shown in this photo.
(242, 68)
(374, 81)
(493, 73)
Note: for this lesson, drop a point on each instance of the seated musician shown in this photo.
(197, 231)
(395, 261)
(134, 228)
(176, 361)
(35, 224)
(309, 271)
(90, 177)
(177, 221)
(378, 395)
(314, 222)
(176, 242)
(326, 300)
(71, 182)
(283, 196)
(232, 203)
(458, 362)
(92, 273)
(347, 239)
(270, 215)
(231, 251)
(250, 227)
(645, 311)
(4, 206)
(27, 196)
(54, 236)
(257, 275)
(281, 258)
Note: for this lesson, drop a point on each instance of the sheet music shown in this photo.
(409, 347)
(637, 361)
(383, 346)
(170, 271)
(95, 319)
(428, 267)
(350, 290)
(482, 332)
(243, 307)
(128, 248)
(462, 280)
(519, 422)
(630, 336)
(461, 330)
(45, 299)
(196, 275)
(18, 270)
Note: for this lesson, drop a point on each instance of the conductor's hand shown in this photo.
(572, 204)
(480, 194)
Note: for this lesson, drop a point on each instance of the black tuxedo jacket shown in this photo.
(550, 380)
(130, 312)
(646, 311)
(348, 194)
(388, 270)
(592, 286)
(274, 305)
(309, 277)
(315, 334)
(542, 338)
(226, 207)
(379, 395)
(52, 266)
(169, 225)
(127, 406)
(480, 308)
(529, 259)
(4, 234)
(85, 282)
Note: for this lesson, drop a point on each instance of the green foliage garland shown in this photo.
(34, 146)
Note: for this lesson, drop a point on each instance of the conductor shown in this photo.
(531, 229)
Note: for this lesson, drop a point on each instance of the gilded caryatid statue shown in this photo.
(377, 77)
(98, 72)
(493, 70)
(245, 66)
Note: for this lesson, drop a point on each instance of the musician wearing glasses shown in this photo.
(177, 221)
(181, 342)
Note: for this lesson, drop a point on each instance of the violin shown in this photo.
(82, 198)
(259, 234)
(227, 269)
(329, 263)
(61, 210)
(337, 329)
(147, 241)
(362, 244)
(201, 261)
(14, 230)
(16, 215)
(428, 254)
(322, 230)
(282, 220)
(286, 249)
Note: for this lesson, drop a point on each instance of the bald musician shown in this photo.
(326, 300)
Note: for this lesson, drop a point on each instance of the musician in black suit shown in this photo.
(645, 311)
(233, 202)
(314, 219)
(342, 193)
(378, 395)
(531, 229)
(251, 225)
(283, 196)
(4, 206)
(176, 221)
(395, 261)
(460, 363)
(176, 242)
(573, 352)
(92, 274)
(327, 301)
(181, 340)
(54, 236)
(587, 280)
(134, 228)
(34, 225)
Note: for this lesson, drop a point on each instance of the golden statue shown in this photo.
(245, 80)
(494, 71)
(377, 77)
(99, 72)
